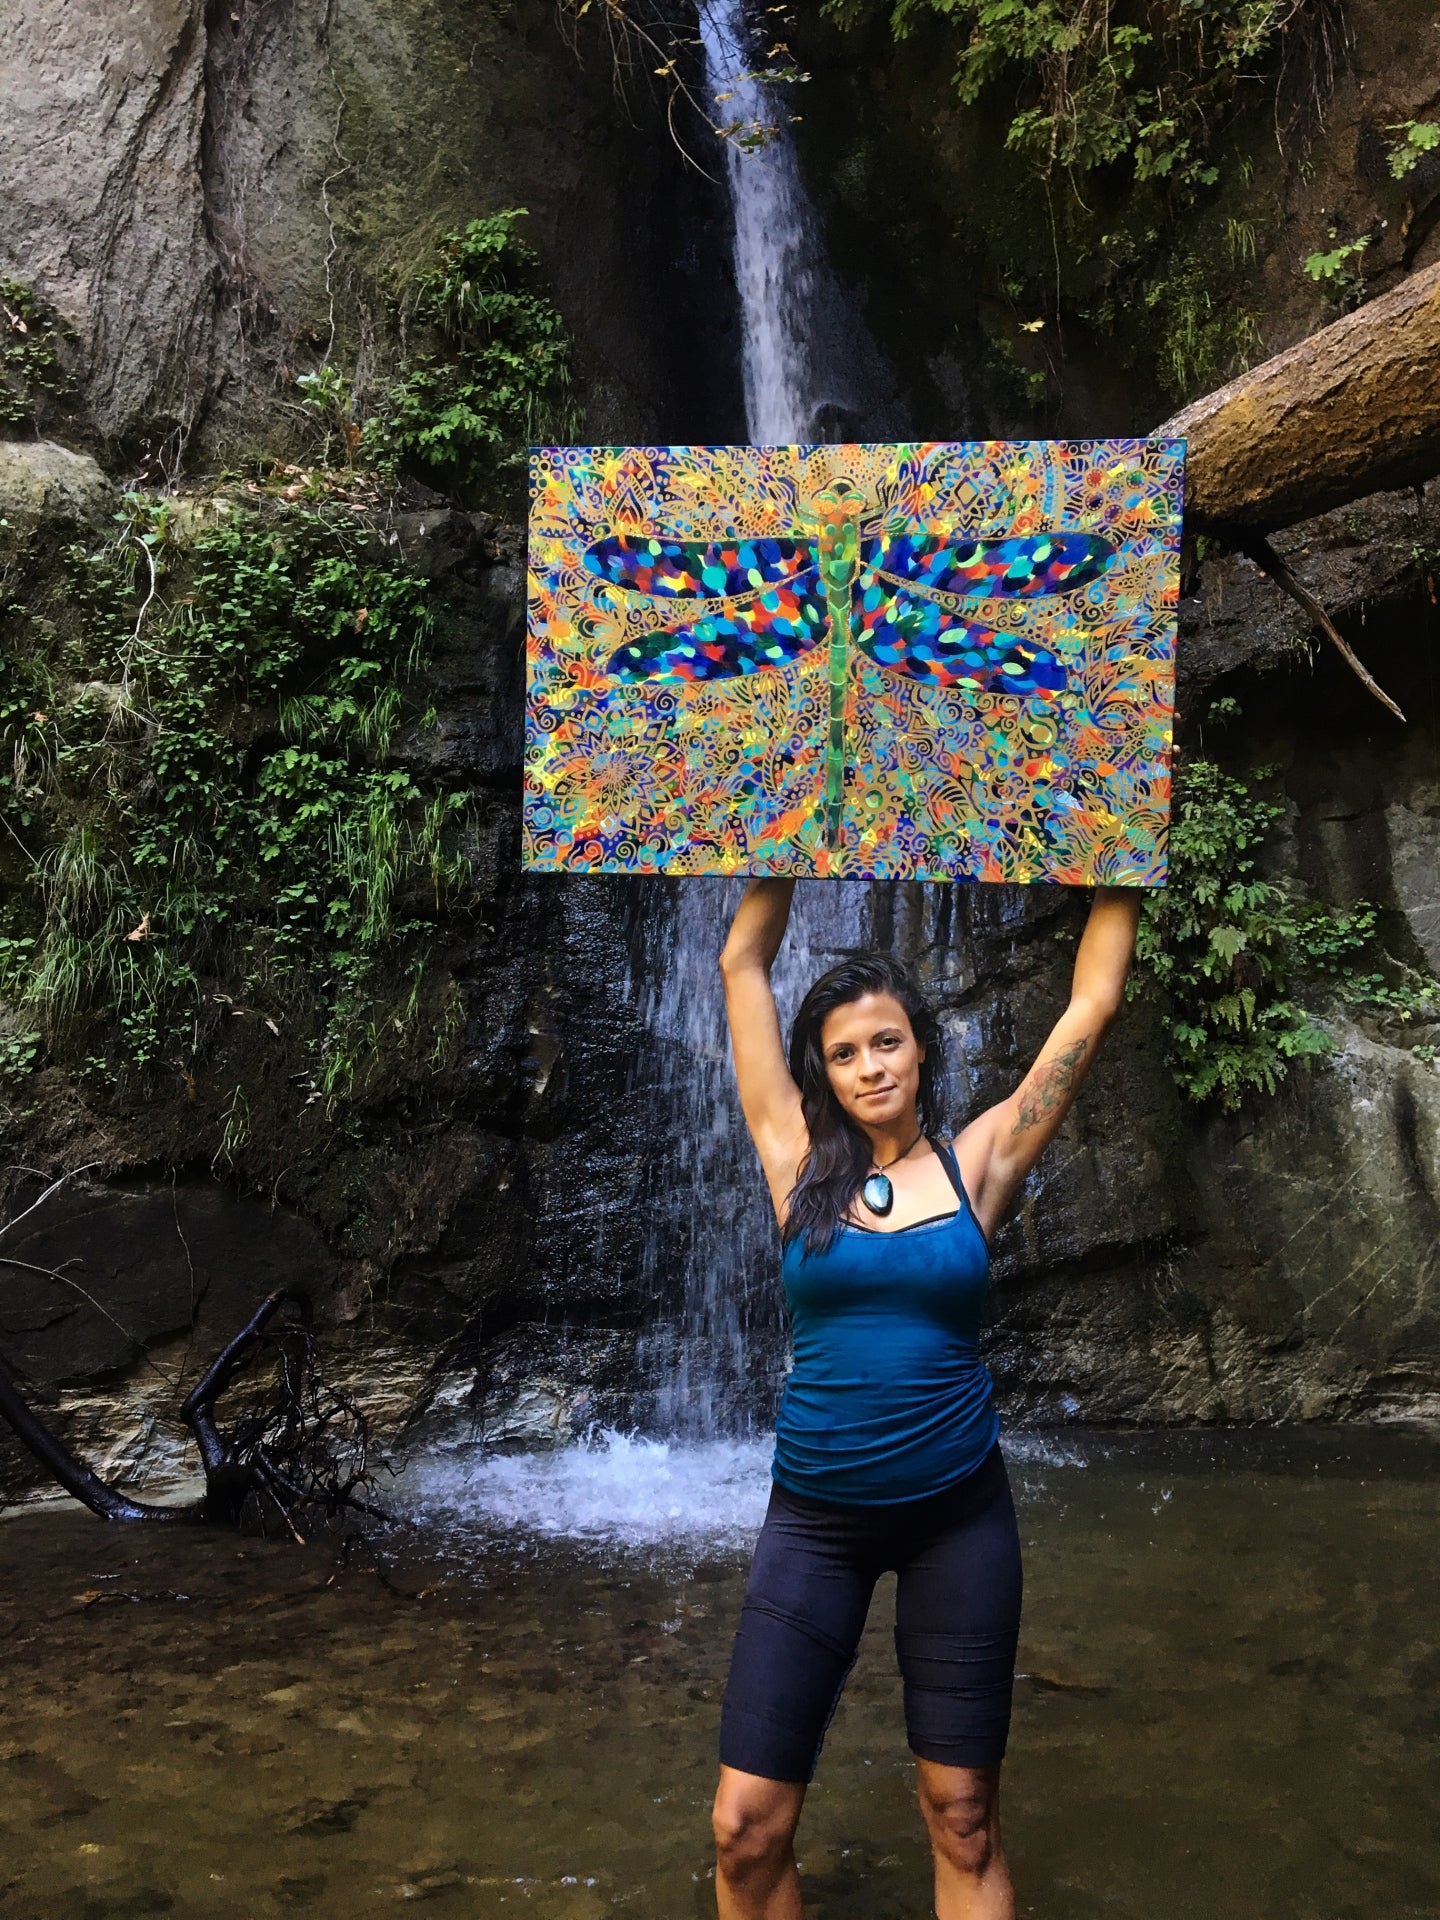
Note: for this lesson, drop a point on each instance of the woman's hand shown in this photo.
(1000, 1147)
(769, 1097)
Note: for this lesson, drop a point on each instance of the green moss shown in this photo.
(31, 373)
(200, 806)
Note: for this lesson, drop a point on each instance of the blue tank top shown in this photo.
(888, 1398)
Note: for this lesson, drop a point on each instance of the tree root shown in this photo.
(306, 1450)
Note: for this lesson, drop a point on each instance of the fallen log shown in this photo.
(1355, 409)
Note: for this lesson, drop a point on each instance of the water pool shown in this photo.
(1231, 1703)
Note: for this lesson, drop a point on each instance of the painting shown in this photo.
(931, 661)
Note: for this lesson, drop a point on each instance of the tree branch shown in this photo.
(1265, 557)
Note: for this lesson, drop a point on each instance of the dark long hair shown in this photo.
(833, 1171)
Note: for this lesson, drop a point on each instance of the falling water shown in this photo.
(719, 1361)
(812, 372)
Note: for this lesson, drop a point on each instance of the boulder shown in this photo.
(42, 485)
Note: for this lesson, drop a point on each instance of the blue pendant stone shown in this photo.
(878, 1194)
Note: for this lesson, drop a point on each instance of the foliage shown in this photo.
(30, 368)
(1105, 85)
(1337, 272)
(18, 1054)
(495, 381)
(1201, 338)
(640, 32)
(329, 395)
(199, 778)
(1417, 138)
(1228, 950)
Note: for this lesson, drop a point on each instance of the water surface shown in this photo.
(1230, 1704)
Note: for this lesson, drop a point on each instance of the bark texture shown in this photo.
(1348, 412)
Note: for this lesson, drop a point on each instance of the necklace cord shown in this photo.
(880, 1166)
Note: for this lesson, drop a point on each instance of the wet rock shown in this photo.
(1303, 1291)
(1357, 561)
(110, 1270)
(175, 173)
(919, 201)
(1413, 833)
(104, 208)
(1159, 1267)
(535, 1387)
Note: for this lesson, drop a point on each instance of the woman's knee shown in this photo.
(961, 1808)
(754, 1826)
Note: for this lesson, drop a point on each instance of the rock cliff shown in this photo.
(212, 198)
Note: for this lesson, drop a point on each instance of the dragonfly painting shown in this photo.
(891, 595)
(929, 660)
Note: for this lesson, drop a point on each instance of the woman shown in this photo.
(886, 1453)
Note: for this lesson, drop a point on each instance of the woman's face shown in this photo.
(872, 1060)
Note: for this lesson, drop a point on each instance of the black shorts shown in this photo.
(957, 1619)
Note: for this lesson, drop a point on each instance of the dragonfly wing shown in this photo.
(770, 631)
(1017, 568)
(696, 569)
(907, 634)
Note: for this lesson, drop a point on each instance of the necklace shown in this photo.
(877, 1192)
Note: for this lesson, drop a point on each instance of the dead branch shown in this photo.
(303, 1450)
(1265, 557)
(63, 1467)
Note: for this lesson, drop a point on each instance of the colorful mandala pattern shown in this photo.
(1006, 672)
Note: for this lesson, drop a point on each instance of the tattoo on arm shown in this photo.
(1051, 1085)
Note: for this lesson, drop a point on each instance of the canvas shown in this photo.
(926, 661)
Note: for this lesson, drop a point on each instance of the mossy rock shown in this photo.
(43, 483)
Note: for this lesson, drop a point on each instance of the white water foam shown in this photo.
(811, 370)
(625, 1491)
(614, 1489)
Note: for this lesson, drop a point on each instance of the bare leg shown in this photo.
(961, 1806)
(755, 1822)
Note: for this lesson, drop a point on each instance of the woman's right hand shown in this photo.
(769, 1097)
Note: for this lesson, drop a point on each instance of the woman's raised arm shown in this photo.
(1000, 1146)
(768, 1095)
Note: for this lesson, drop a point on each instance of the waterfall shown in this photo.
(811, 370)
(716, 1354)
(718, 1363)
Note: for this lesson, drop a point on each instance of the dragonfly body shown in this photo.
(838, 548)
(887, 595)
